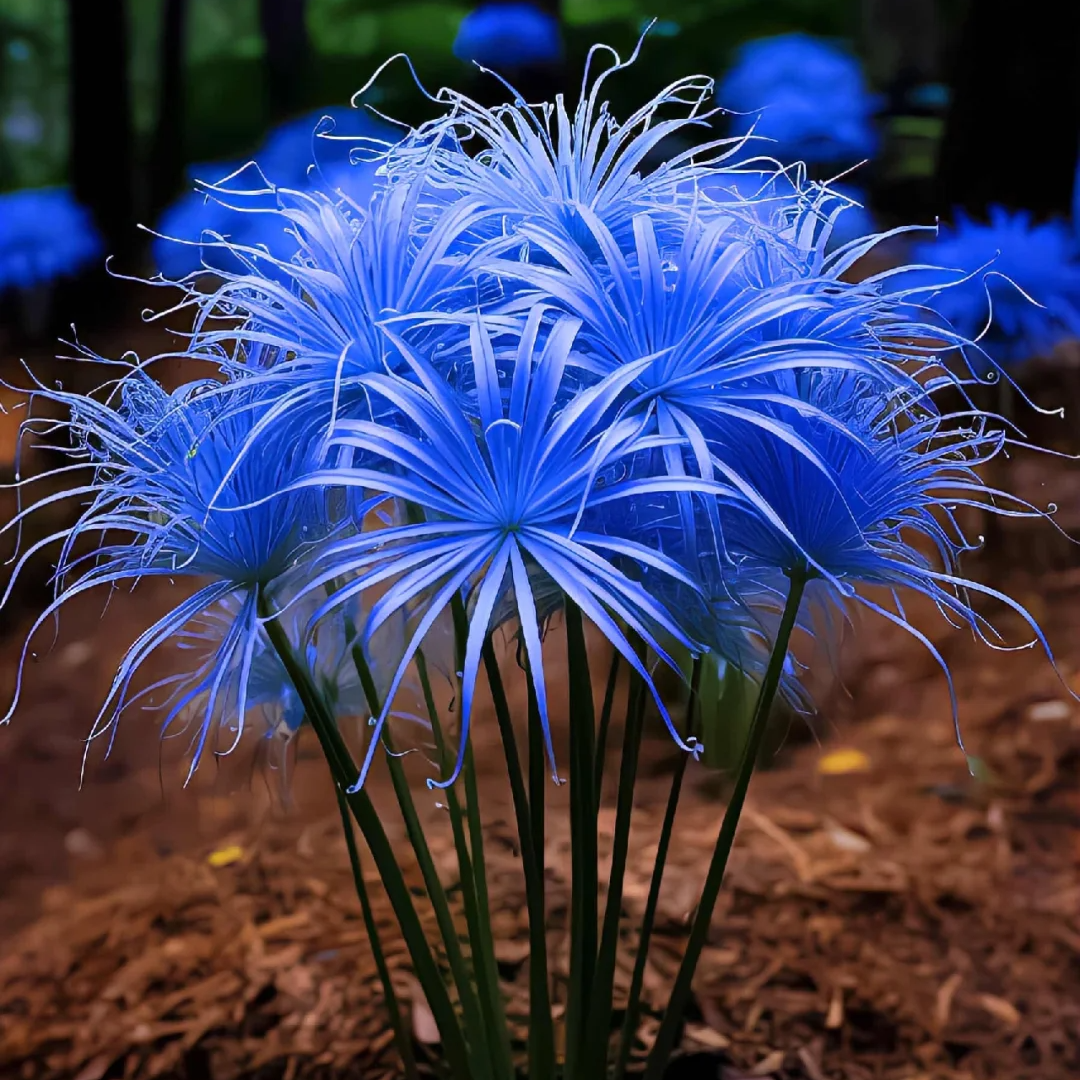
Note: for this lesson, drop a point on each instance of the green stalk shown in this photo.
(486, 1058)
(476, 831)
(584, 884)
(401, 1035)
(541, 1033)
(605, 723)
(477, 913)
(344, 770)
(541, 1024)
(633, 1003)
(598, 1025)
(680, 994)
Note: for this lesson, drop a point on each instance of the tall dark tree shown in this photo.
(167, 152)
(288, 55)
(902, 45)
(101, 162)
(1013, 129)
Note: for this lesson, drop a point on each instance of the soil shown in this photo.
(886, 915)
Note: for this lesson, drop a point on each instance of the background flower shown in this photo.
(806, 94)
(44, 235)
(1015, 283)
(510, 35)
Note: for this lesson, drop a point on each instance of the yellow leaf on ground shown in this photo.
(225, 856)
(837, 762)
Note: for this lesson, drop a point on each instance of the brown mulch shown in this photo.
(902, 922)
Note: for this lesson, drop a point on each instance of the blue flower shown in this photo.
(722, 315)
(806, 95)
(884, 509)
(547, 163)
(508, 36)
(1014, 285)
(501, 492)
(44, 235)
(774, 196)
(170, 495)
(311, 327)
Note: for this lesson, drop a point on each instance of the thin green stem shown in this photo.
(494, 1004)
(598, 1025)
(680, 994)
(401, 1035)
(477, 913)
(344, 770)
(486, 1061)
(541, 1033)
(605, 723)
(584, 884)
(633, 1002)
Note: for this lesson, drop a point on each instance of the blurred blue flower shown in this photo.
(806, 94)
(1010, 282)
(509, 35)
(44, 235)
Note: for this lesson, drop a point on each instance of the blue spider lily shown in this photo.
(722, 316)
(167, 498)
(312, 325)
(896, 474)
(501, 494)
(1014, 285)
(806, 95)
(546, 163)
(44, 235)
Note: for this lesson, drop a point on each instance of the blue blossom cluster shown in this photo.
(509, 35)
(1014, 283)
(528, 371)
(806, 95)
(44, 235)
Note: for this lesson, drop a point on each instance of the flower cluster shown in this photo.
(806, 95)
(509, 35)
(530, 371)
(44, 235)
(1015, 283)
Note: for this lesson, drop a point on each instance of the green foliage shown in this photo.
(33, 93)
(224, 50)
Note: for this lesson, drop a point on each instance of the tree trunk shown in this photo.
(101, 139)
(901, 45)
(167, 153)
(288, 55)
(1013, 129)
